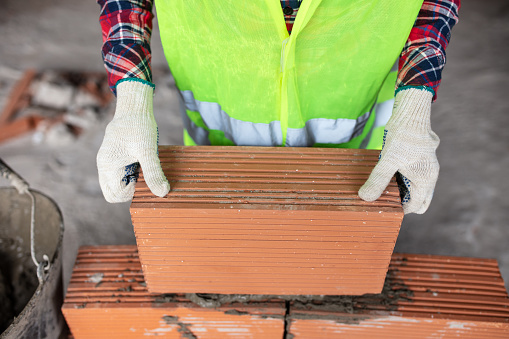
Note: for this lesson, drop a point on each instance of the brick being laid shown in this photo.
(424, 297)
(265, 220)
(107, 298)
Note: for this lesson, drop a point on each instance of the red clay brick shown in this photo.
(432, 296)
(265, 220)
(107, 298)
(424, 296)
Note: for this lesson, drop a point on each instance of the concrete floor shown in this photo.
(470, 211)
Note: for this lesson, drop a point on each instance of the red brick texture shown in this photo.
(107, 298)
(265, 220)
(423, 296)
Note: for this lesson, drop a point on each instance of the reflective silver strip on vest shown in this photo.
(242, 133)
(198, 134)
(245, 133)
(326, 131)
(383, 112)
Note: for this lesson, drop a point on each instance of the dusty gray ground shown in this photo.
(470, 211)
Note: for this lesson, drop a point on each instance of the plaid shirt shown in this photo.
(290, 10)
(127, 27)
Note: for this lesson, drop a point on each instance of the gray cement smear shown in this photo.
(394, 290)
(340, 309)
(469, 214)
(183, 328)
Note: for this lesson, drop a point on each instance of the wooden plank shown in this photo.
(16, 95)
(19, 126)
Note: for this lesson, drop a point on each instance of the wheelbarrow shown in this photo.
(31, 290)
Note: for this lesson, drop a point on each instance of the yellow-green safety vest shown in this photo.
(244, 81)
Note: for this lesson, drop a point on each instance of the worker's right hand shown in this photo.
(130, 140)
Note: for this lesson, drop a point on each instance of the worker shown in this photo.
(326, 73)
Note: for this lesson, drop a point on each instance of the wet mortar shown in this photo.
(331, 307)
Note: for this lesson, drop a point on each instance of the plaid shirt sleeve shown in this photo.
(126, 29)
(423, 57)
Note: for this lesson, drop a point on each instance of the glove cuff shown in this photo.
(134, 98)
(412, 109)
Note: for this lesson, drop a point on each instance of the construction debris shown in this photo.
(46, 94)
(57, 105)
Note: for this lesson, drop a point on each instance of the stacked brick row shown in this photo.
(423, 296)
(108, 298)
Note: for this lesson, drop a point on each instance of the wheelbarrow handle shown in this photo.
(16, 180)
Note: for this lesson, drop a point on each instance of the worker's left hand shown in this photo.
(409, 148)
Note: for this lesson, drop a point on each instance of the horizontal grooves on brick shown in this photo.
(266, 175)
(396, 328)
(108, 298)
(443, 297)
(270, 220)
(120, 269)
(433, 296)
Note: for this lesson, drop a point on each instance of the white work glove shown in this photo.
(130, 140)
(409, 148)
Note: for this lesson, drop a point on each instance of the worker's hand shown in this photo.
(130, 140)
(409, 148)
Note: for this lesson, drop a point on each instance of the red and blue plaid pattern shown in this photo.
(290, 10)
(423, 57)
(127, 27)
